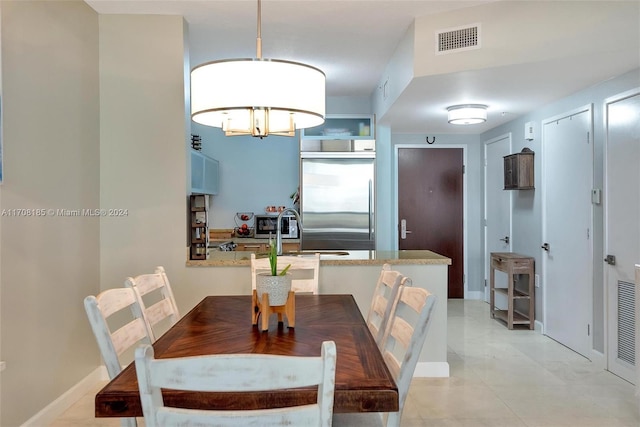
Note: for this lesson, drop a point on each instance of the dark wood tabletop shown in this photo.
(222, 325)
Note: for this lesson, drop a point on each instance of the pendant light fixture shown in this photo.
(467, 114)
(257, 96)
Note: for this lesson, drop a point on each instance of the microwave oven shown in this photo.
(267, 224)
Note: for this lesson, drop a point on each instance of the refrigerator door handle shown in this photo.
(370, 209)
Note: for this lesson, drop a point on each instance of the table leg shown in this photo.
(511, 285)
(266, 311)
(492, 293)
(290, 309)
(532, 305)
(255, 308)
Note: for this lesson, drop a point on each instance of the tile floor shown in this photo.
(498, 378)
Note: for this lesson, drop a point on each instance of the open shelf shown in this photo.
(516, 293)
(518, 318)
(514, 265)
(199, 233)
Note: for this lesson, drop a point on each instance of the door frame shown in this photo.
(396, 233)
(585, 108)
(487, 256)
(610, 318)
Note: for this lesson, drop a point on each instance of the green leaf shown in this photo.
(283, 272)
(273, 257)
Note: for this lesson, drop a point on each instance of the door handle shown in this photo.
(505, 240)
(610, 259)
(546, 247)
(403, 229)
(370, 209)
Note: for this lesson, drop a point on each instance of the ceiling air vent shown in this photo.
(458, 39)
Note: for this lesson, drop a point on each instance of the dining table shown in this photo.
(223, 325)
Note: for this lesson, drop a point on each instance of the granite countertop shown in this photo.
(214, 242)
(240, 258)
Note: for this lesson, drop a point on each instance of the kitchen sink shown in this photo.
(311, 252)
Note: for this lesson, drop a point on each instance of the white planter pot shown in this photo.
(277, 287)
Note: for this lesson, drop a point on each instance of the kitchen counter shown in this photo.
(239, 258)
(247, 240)
(228, 273)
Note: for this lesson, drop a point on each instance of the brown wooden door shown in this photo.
(430, 200)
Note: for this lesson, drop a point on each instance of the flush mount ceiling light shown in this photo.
(467, 114)
(256, 96)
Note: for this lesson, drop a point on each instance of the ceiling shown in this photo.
(352, 41)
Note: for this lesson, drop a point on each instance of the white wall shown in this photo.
(397, 74)
(521, 32)
(94, 117)
(51, 148)
(254, 173)
(142, 146)
(527, 206)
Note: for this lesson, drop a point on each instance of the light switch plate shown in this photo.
(528, 131)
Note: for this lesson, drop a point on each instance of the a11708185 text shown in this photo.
(60, 212)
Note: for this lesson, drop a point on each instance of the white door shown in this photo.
(622, 229)
(497, 209)
(567, 222)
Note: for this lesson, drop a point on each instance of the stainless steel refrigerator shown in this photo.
(337, 200)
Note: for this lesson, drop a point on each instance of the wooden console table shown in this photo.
(513, 264)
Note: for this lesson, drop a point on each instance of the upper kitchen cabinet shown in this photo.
(204, 174)
(340, 133)
(343, 126)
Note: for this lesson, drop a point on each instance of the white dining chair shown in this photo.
(402, 343)
(236, 373)
(384, 295)
(305, 271)
(113, 343)
(156, 299)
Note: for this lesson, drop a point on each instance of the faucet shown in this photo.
(279, 228)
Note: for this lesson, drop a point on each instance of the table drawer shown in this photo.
(499, 263)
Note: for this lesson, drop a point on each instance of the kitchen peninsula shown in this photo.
(356, 273)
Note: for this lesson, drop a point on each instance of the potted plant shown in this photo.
(276, 284)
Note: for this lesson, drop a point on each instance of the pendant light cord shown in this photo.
(259, 36)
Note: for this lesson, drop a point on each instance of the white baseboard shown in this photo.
(598, 360)
(104, 375)
(431, 369)
(538, 327)
(56, 408)
(474, 295)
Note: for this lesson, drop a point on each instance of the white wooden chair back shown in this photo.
(156, 298)
(113, 344)
(384, 295)
(402, 343)
(236, 373)
(305, 271)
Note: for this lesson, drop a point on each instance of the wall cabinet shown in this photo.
(518, 171)
(340, 132)
(513, 264)
(204, 174)
(198, 226)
